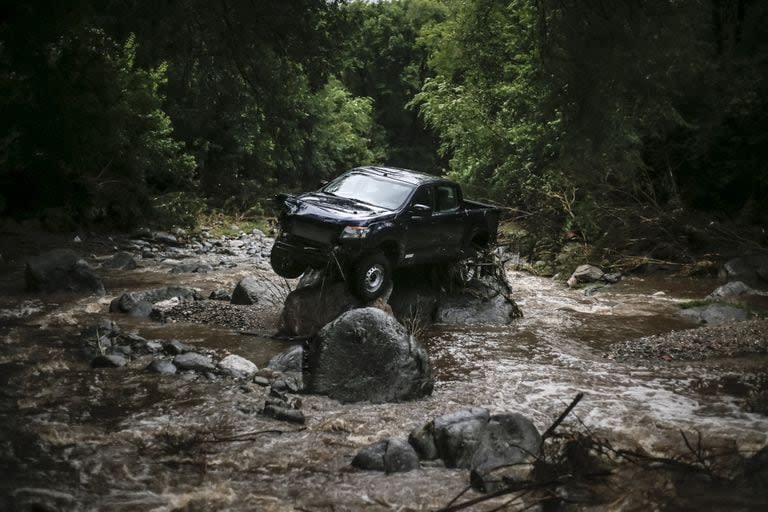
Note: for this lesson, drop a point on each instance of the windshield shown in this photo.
(381, 192)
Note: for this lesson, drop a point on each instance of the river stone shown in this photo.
(400, 457)
(176, 347)
(193, 361)
(458, 434)
(714, 314)
(732, 290)
(308, 309)
(126, 302)
(585, 274)
(507, 440)
(238, 367)
(423, 441)
(291, 360)
(120, 261)
(284, 414)
(465, 309)
(390, 455)
(254, 290)
(751, 269)
(162, 367)
(220, 294)
(61, 270)
(165, 238)
(109, 361)
(366, 354)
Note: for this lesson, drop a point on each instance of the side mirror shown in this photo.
(420, 211)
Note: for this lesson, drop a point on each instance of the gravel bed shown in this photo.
(726, 340)
(245, 318)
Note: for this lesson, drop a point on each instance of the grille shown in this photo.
(314, 232)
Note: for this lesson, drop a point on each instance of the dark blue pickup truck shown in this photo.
(372, 220)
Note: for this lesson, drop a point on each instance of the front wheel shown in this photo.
(371, 276)
(284, 265)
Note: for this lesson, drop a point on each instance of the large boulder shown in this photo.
(255, 290)
(390, 455)
(752, 269)
(365, 354)
(140, 303)
(585, 274)
(313, 305)
(714, 314)
(62, 270)
(425, 296)
(486, 444)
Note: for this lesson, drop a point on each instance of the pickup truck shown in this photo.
(372, 220)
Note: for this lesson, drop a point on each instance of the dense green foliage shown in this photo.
(580, 116)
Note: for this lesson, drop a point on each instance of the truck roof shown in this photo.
(413, 177)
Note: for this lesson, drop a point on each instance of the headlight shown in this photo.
(354, 232)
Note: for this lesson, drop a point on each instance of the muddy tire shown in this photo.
(371, 276)
(284, 265)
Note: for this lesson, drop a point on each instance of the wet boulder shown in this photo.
(120, 261)
(508, 441)
(238, 367)
(193, 361)
(162, 367)
(390, 455)
(308, 308)
(585, 274)
(714, 314)
(290, 360)
(457, 435)
(141, 303)
(752, 269)
(366, 354)
(255, 290)
(220, 294)
(62, 270)
(733, 290)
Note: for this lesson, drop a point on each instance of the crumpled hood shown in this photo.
(339, 210)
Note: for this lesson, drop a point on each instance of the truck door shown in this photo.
(421, 240)
(448, 219)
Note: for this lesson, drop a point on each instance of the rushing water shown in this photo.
(75, 438)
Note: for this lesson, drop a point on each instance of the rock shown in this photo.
(192, 268)
(110, 361)
(254, 290)
(148, 254)
(371, 457)
(284, 414)
(291, 360)
(159, 309)
(121, 261)
(423, 441)
(176, 347)
(400, 457)
(162, 367)
(458, 434)
(585, 274)
(306, 310)
(508, 439)
(193, 361)
(732, 290)
(714, 314)
(612, 278)
(238, 367)
(220, 294)
(464, 309)
(751, 269)
(141, 310)
(366, 354)
(128, 301)
(261, 381)
(104, 327)
(62, 270)
(165, 238)
(390, 455)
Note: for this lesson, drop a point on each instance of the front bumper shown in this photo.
(313, 254)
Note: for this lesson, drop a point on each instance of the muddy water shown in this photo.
(74, 438)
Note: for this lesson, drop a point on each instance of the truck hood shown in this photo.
(334, 209)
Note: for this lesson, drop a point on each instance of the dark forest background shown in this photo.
(585, 118)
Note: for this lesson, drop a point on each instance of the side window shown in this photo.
(423, 196)
(446, 198)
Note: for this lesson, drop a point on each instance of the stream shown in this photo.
(77, 438)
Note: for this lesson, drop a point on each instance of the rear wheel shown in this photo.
(284, 265)
(371, 276)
